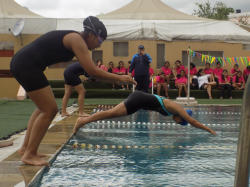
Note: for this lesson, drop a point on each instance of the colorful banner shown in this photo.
(222, 60)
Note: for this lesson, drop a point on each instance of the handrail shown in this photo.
(243, 149)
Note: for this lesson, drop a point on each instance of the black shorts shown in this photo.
(28, 74)
(71, 78)
(202, 87)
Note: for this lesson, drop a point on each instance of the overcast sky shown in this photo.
(84, 8)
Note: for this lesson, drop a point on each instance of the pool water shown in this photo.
(143, 154)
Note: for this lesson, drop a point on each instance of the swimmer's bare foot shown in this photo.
(22, 151)
(79, 123)
(66, 114)
(83, 114)
(34, 160)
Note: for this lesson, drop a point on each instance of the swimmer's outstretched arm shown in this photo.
(117, 111)
(180, 111)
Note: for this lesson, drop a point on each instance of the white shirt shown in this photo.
(203, 79)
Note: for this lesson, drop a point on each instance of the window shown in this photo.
(6, 49)
(96, 55)
(62, 64)
(245, 47)
(198, 61)
(160, 55)
(120, 48)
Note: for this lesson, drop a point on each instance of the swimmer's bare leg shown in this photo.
(119, 110)
(33, 117)
(67, 94)
(81, 96)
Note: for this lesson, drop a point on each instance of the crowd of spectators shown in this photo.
(203, 79)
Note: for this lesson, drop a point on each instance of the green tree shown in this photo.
(220, 10)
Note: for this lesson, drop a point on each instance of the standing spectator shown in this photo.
(120, 70)
(225, 84)
(238, 81)
(167, 72)
(203, 82)
(181, 82)
(176, 70)
(112, 70)
(193, 73)
(234, 71)
(140, 63)
(208, 70)
(151, 73)
(218, 71)
(160, 85)
(246, 73)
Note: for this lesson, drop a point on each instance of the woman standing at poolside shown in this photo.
(28, 65)
(139, 100)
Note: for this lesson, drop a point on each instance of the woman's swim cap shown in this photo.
(184, 122)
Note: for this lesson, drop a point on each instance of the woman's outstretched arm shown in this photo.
(119, 110)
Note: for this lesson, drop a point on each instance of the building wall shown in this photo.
(173, 52)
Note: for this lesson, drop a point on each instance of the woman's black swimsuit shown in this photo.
(28, 64)
(72, 73)
(140, 100)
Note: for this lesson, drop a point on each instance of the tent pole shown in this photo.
(152, 85)
(243, 149)
(188, 76)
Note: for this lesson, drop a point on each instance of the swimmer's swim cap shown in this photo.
(184, 122)
(93, 25)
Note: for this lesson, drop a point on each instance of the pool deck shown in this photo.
(13, 172)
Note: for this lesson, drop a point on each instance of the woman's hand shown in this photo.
(213, 132)
(126, 79)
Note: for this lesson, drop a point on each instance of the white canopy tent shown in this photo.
(10, 12)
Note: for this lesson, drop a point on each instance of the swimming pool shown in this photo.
(147, 149)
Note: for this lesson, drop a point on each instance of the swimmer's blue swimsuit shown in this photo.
(163, 110)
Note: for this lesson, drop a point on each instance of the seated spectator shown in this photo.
(234, 71)
(120, 70)
(127, 73)
(218, 71)
(176, 70)
(181, 82)
(100, 65)
(167, 72)
(159, 84)
(151, 73)
(246, 73)
(193, 72)
(238, 81)
(225, 84)
(206, 82)
(111, 69)
(208, 70)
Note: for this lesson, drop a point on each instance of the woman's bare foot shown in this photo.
(79, 123)
(22, 151)
(66, 114)
(83, 114)
(34, 160)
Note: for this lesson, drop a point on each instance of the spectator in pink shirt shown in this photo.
(238, 81)
(234, 71)
(193, 72)
(176, 70)
(167, 72)
(181, 82)
(225, 84)
(208, 70)
(112, 70)
(151, 73)
(100, 65)
(246, 73)
(120, 70)
(161, 85)
(218, 71)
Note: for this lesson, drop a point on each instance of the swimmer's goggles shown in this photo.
(100, 40)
